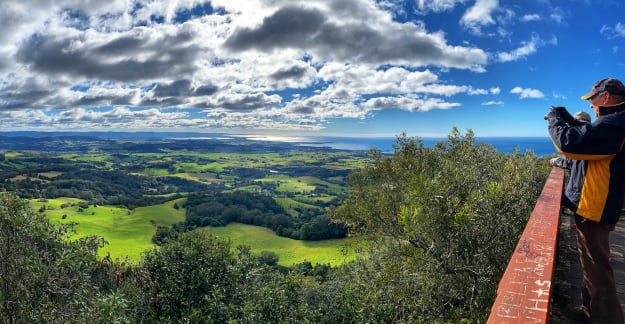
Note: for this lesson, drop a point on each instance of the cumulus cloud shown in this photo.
(527, 93)
(409, 103)
(277, 64)
(132, 56)
(424, 6)
(408, 44)
(479, 15)
(492, 103)
(80, 118)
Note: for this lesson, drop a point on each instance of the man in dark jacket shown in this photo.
(599, 202)
(573, 188)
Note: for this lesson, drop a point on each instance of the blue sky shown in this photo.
(313, 67)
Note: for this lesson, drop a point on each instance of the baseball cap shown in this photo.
(582, 116)
(611, 85)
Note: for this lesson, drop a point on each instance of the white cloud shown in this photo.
(530, 17)
(409, 103)
(492, 103)
(527, 93)
(474, 92)
(521, 52)
(559, 96)
(527, 48)
(74, 119)
(479, 15)
(425, 6)
(613, 32)
(558, 15)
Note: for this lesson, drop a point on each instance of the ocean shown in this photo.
(541, 146)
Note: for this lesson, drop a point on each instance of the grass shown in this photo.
(334, 252)
(191, 167)
(290, 204)
(129, 233)
(95, 158)
(155, 172)
(50, 174)
(286, 184)
(311, 199)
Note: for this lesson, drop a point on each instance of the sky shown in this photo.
(359, 68)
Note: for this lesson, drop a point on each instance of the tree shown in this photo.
(44, 277)
(163, 233)
(269, 258)
(194, 278)
(449, 214)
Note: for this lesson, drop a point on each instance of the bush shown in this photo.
(44, 277)
(450, 217)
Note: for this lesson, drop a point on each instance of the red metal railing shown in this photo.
(524, 292)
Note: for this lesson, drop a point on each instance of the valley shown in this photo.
(126, 190)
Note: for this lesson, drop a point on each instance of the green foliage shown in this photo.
(269, 258)
(446, 220)
(163, 233)
(193, 276)
(451, 216)
(290, 251)
(43, 277)
(111, 187)
(220, 209)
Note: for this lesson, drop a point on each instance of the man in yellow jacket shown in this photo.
(601, 183)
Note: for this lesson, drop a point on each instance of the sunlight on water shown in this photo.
(541, 146)
(275, 138)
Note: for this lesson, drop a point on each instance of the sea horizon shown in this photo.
(541, 146)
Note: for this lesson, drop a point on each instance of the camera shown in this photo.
(562, 113)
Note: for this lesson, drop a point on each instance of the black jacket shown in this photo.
(600, 176)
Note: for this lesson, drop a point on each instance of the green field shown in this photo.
(334, 252)
(288, 184)
(129, 232)
(290, 204)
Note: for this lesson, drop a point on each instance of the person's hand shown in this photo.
(563, 114)
(551, 114)
(553, 161)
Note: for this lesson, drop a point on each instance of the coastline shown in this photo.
(541, 146)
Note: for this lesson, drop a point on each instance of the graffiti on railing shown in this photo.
(524, 293)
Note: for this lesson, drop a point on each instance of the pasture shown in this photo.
(333, 252)
(129, 232)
